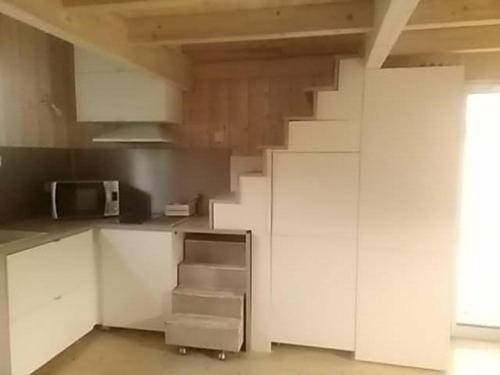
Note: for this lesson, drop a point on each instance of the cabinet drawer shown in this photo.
(314, 291)
(38, 336)
(39, 275)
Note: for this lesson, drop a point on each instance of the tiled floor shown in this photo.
(123, 352)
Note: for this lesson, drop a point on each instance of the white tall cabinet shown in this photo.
(52, 300)
(314, 239)
(411, 151)
(138, 271)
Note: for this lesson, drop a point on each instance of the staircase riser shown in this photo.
(215, 306)
(230, 340)
(197, 277)
(219, 252)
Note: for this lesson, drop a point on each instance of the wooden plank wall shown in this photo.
(241, 105)
(36, 70)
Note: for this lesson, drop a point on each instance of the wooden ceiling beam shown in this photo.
(287, 22)
(293, 21)
(105, 35)
(390, 19)
(464, 39)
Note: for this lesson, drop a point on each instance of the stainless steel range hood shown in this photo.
(136, 133)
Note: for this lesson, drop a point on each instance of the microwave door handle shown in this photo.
(53, 189)
(109, 195)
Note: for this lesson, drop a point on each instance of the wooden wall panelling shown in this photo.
(279, 103)
(36, 70)
(238, 117)
(219, 115)
(248, 101)
(196, 116)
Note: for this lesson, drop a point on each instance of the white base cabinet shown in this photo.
(52, 293)
(138, 271)
(59, 291)
(314, 239)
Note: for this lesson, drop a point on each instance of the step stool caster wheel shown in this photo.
(183, 351)
(221, 356)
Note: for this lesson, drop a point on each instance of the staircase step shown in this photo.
(324, 136)
(311, 92)
(204, 331)
(217, 252)
(212, 276)
(223, 303)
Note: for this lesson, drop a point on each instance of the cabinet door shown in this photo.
(138, 273)
(314, 239)
(52, 300)
(126, 96)
(408, 215)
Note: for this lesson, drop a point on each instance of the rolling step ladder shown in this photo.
(209, 303)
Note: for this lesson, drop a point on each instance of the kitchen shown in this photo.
(223, 205)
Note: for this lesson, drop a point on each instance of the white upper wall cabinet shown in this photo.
(110, 92)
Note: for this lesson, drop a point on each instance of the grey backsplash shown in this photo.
(160, 175)
(22, 176)
(149, 177)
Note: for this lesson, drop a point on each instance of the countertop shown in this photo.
(52, 230)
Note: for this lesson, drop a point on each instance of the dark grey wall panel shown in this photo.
(23, 174)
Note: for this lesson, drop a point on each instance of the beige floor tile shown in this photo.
(122, 352)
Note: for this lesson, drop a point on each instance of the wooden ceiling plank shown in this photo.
(113, 5)
(104, 35)
(465, 39)
(390, 19)
(287, 22)
(437, 14)
(275, 49)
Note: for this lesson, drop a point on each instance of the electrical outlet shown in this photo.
(219, 136)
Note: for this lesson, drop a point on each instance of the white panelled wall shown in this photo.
(354, 219)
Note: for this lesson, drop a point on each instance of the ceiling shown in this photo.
(216, 30)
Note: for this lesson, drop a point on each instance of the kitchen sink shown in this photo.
(8, 236)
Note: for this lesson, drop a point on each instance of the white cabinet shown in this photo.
(52, 292)
(138, 271)
(108, 92)
(411, 148)
(314, 240)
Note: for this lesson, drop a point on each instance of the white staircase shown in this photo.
(334, 127)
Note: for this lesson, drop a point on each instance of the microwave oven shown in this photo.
(85, 199)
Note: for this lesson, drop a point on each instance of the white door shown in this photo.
(138, 271)
(314, 238)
